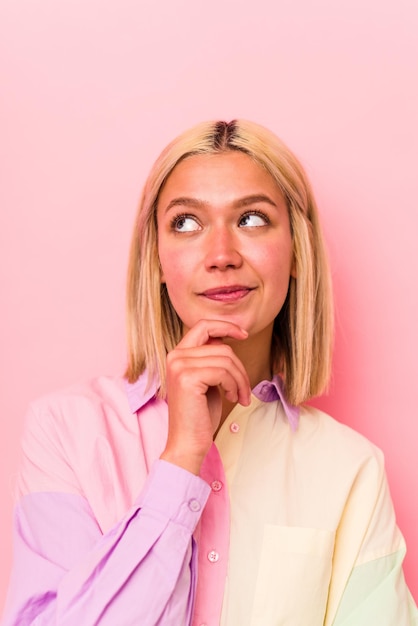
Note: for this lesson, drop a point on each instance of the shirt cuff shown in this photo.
(175, 493)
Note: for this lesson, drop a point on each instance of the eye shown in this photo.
(184, 224)
(254, 219)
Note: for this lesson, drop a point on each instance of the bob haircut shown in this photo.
(301, 350)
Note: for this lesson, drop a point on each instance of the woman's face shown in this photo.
(224, 242)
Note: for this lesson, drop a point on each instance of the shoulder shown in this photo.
(77, 438)
(95, 397)
(338, 447)
(99, 389)
(85, 440)
(73, 418)
(316, 424)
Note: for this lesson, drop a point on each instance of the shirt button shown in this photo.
(216, 485)
(194, 505)
(234, 427)
(213, 556)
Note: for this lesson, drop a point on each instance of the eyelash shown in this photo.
(181, 216)
(258, 213)
(177, 218)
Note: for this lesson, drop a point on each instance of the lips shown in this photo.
(227, 293)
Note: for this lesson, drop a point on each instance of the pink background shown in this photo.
(93, 89)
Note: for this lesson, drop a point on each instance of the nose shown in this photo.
(222, 250)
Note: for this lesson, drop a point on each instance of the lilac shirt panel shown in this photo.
(86, 550)
(142, 571)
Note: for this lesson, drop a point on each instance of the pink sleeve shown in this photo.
(67, 573)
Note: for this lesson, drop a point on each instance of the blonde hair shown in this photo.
(303, 330)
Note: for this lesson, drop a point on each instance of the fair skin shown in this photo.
(225, 249)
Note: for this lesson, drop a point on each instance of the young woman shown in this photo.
(200, 489)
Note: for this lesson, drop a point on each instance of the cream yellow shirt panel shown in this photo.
(302, 510)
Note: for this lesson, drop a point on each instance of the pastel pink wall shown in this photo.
(93, 89)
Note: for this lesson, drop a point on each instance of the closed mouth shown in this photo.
(227, 293)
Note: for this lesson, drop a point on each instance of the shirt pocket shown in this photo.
(293, 577)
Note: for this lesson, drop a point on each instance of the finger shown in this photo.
(204, 330)
(214, 341)
(200, 356)
(202, 372)
(200, 380)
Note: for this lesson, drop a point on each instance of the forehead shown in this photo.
(219, 176)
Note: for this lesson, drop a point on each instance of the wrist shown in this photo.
(190, 462)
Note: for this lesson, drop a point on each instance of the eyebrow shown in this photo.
(237, 204)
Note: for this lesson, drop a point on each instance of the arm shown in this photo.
(142, 569)
(375, 591)
(199, 371)
(67, 573)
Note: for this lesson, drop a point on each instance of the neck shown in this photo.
(254, 353)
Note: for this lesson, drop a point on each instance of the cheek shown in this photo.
(275, 261)
(167, 258)
(166, 270)
(173, 271)
(178, 263)
(277, 278)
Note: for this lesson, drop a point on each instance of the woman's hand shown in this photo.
(198, 369)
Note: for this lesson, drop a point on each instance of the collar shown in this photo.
(271, 390)
(142, 391)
